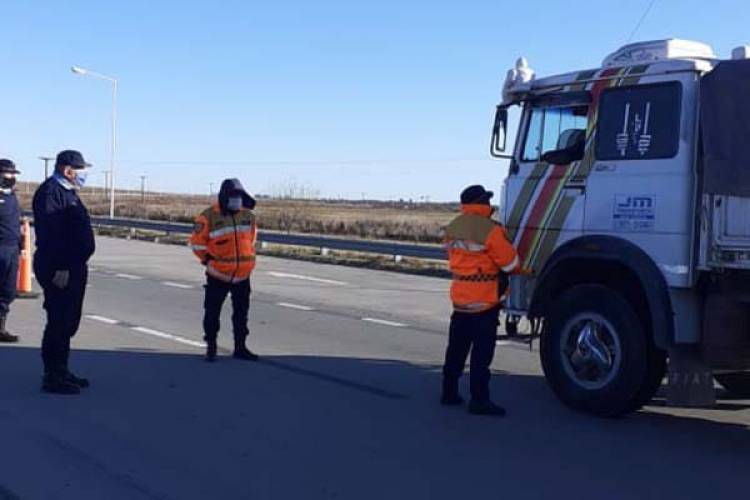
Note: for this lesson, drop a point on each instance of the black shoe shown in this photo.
(486, 408)
(82, 383)
(59, 385)
(7, 338)
(451, 400)
(245, 354)
(211, 352)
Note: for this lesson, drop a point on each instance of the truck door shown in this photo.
(544, 202)
(641, 186)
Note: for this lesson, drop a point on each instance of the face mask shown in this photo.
(234, 203)
(8, 182)
(81, 176)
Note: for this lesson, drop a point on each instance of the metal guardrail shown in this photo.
(379, 247)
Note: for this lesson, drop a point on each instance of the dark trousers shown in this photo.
(216, 293)
(476, 333)
(64, 309)
(8, 277)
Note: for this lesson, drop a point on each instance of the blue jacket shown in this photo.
(10, 221)
(64, 237)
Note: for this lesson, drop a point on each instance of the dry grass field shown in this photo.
(402, 221)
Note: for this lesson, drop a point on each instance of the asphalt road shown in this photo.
(342, 405)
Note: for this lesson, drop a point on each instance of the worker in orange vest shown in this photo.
(224, 241)
(480, 258)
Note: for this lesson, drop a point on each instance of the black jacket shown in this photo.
(10, 221)
(64, 237)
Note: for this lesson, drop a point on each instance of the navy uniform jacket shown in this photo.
(64, 237)
(10, 220)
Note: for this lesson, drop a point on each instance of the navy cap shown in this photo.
(71, 158)
(476, 194)
(8, 167)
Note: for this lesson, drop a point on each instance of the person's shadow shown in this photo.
(158, 425)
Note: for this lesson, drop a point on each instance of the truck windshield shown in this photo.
(552, 129)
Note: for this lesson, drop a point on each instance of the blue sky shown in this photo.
(393, 99)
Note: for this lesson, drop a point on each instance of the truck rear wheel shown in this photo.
(737, 383)
(596, 354)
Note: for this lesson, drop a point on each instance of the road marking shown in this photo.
(167, 336)
(102, 319)
(128, 276)
(383, 322)
(176, 285)
(294, 306)
(306, 278)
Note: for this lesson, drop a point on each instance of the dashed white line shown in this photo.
(128, 276)
(176, 285)
(167, 336)
(306, 278)
(102, 319)
(295, 306)
(384, 322)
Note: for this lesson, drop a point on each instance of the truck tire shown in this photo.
(596, 354)
(736, 383)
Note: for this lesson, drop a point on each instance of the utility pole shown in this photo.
(46, 160)
(210, 191)
(106, 184)
(143, 188)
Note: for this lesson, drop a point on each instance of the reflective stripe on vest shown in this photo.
(477, 278)
(216, 233)
(242, 258)
(223, 277)
(466, 245)
(473, 307)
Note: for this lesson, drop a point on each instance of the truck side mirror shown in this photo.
(499, 133)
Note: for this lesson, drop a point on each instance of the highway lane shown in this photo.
(339, 407)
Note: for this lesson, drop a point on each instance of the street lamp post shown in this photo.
(46, 160)
(84, 72)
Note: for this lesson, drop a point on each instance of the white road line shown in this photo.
(176, 285)
(294, 306)
(102, 319)
(383, 322)
(168, 336)
(128, 276)
(306, 278)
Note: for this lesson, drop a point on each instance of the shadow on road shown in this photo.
(159, 425)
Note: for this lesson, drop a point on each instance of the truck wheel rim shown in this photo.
(591, 351)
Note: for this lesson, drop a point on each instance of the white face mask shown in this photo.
(81, 176)
(234, 203)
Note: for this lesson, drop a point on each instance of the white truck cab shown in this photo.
(628, 199)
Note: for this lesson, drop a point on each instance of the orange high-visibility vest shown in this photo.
(225, 243)
(479, 252)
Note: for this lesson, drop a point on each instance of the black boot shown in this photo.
(242, 352)
(82, 383)
(211, 351)
(59, 384)
(4, 335)
(486, 408)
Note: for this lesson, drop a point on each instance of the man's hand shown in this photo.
(60, 279)
(524, 271)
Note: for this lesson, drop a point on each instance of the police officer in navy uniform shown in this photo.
(10, 243)
(65, 242)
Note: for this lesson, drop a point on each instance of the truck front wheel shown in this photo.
(595, 352)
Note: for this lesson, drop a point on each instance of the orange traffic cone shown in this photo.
(23, 287)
